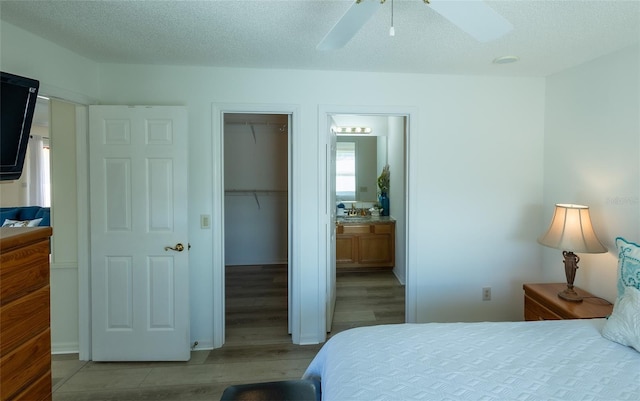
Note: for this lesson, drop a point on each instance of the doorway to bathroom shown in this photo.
(380, 139)
(256, 227)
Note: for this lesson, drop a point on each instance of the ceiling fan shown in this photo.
(474, 17)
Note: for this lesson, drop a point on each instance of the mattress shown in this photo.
(546, 360)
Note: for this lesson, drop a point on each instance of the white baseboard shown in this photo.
(65, 348)
(400, 279)
(255, 262)
(73, 347)
(203, 346)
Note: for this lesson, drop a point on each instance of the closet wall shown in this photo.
(255, 178)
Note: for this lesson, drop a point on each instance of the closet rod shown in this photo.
(281, 127)
(255, 123)
(251, 191)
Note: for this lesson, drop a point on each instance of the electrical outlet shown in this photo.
(486, 294)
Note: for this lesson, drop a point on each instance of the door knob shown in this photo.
(178, 248)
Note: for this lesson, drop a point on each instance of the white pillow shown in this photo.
(21, 223)
(628, 265)
(623, 326)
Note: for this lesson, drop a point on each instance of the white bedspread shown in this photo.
(547, 360)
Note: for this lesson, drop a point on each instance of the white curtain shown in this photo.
(38, 193)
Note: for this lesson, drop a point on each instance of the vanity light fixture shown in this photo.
(352, 130)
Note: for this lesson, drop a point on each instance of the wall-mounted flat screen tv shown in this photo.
(17, 103)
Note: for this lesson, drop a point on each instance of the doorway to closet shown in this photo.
(256, 228)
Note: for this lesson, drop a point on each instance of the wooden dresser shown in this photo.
(25, 335)
(541, 302)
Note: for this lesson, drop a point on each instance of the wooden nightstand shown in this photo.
(541, 302)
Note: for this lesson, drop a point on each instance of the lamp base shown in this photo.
(570, 266)
(569, 294)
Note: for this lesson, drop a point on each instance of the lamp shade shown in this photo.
(571, 230)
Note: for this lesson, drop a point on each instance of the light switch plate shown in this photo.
(205, 221)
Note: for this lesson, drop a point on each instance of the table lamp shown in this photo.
(571, 231)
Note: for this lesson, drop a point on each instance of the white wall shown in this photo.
(592, 157)
(479, 173)
(64, 222)
(69, 76)
(480, 185)
(15, 192)
(61, 73)
(477, 202)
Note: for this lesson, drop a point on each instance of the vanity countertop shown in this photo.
(363, 219)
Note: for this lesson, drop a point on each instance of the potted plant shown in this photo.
(383, 186)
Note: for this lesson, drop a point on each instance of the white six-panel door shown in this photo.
(138, 200)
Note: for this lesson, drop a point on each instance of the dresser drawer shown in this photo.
(39, 390)
(24, 270)
(356, 229)
(30, 360)
(22, 319)
(25, 334)
(383, 228)
(535, 311)
(541, 302)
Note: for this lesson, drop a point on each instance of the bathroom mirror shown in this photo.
(369, 152)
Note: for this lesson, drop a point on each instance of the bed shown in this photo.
(545, 360)
(587, 359)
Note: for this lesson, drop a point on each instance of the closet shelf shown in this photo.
(281, 127)
(273, 124)
(254, 192)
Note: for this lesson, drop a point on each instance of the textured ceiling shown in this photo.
(549, 36)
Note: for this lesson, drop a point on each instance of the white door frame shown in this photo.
(411, 200)
(84, 243)
(82, 103)
(294, 213)
(82, 197)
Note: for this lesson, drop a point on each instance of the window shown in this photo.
(346, 171)
(46, 174)
(39, 178)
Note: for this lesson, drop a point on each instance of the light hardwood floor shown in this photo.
(257, 346)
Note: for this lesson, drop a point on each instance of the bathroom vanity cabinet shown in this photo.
(365, 244)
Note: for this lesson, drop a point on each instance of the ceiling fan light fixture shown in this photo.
(476, 18)
(392, 30)
(506, 59)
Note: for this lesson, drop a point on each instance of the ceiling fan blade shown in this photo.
(474, 17)
(350, 23)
